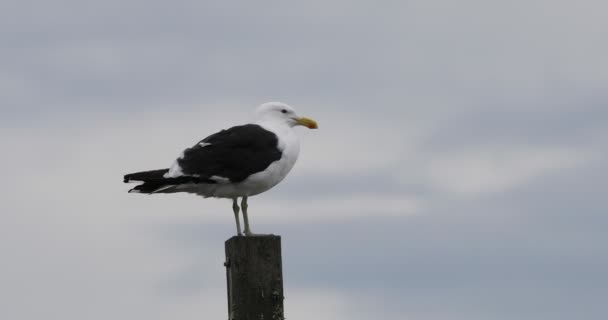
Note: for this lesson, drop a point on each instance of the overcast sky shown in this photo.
(460, 169)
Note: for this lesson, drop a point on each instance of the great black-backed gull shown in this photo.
(239, 162)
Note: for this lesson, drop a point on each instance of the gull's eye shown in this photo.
(284, 111)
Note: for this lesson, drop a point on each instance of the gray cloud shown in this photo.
(477, 129)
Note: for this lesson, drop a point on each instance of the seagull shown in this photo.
(238, 162)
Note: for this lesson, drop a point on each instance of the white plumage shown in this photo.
(239, 162)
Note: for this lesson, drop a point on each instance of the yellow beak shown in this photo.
(307, 122)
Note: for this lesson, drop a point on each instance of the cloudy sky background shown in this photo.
(460, 170)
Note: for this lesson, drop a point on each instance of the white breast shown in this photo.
(289, 144)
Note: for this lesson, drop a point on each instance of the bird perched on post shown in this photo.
(239, 162)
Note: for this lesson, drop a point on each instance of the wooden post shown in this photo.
(254, 274)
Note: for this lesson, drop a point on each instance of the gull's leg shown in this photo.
(245, 218)
(235, 208)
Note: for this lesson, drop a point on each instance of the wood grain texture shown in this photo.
(254, 275)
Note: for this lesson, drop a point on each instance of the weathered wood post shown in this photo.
(254, 275)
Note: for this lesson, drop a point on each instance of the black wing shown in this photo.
(155, 180)
(235, 153)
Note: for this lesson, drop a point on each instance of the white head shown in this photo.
(281, 112)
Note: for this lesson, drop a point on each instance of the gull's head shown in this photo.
(281, 112)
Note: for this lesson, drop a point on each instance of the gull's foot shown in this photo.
(251, 234)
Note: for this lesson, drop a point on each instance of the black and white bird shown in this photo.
(239, 162)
